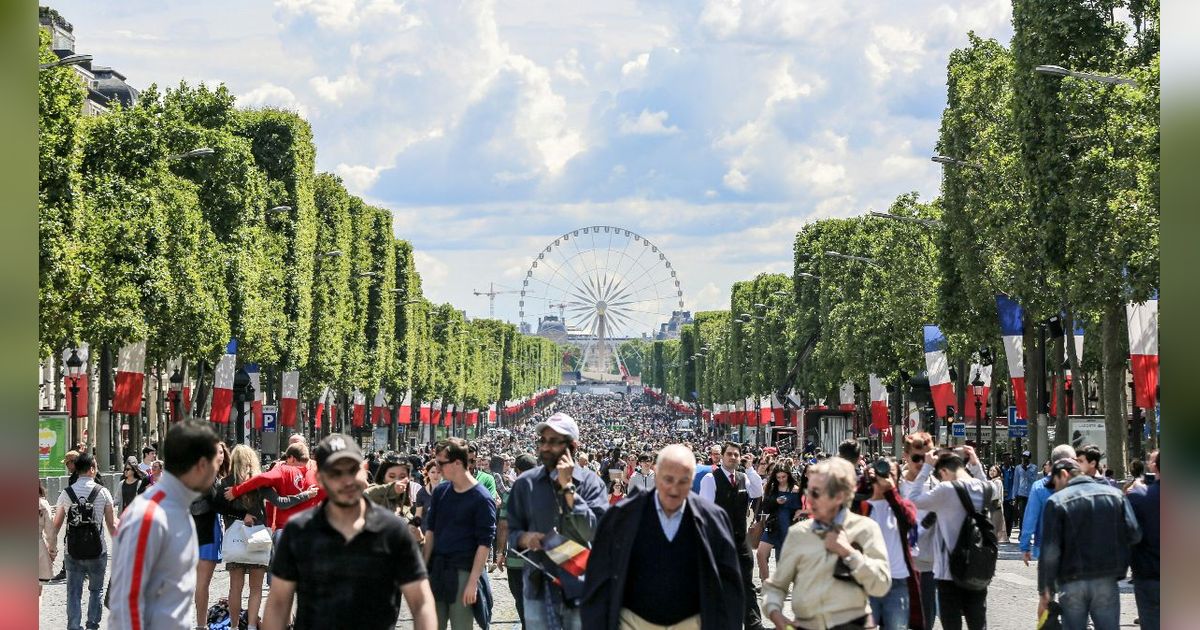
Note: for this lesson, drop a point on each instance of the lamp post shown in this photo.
(977, 389)
(74, 369)
(69, 60)
(1059, 71)
(176, 395)
(242, 393)
(201, 152)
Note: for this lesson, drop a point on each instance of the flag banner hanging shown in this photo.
(777, 409)
(846, 397)
(491, 413)
(222, 394)
(1143, 351)
(359, 408)
(879, 403)
(765, 415)
(322, 400)
(938, 368)
(379, 411)
(426, 414)
(406, 414)
(256, 406)
(448, 415)
(127, 389)
(472, 418)
(333, 407)
(289, 400)
(1014, 349)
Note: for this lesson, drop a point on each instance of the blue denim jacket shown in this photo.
(1088, 529)
(1007, 473)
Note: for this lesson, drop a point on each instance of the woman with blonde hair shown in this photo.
(250, 509)
(833, 562)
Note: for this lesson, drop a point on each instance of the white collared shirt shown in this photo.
(670, 522)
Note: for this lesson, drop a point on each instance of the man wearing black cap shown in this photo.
(1088, 530)
(344, 560)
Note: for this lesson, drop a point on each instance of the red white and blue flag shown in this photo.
(1143, 351)
(359, 408)
(1011, 330)
(846, 396)
(222, 395)
(289, 401)
(127, 390)
(406, 414)
(321, 402)
(379, 411)
(256, 406)
(569, 555)
(940, 387)
(879, 403)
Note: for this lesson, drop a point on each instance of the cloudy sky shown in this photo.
(714, 128)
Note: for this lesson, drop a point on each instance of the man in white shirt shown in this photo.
(149, 454)
(642, 479)
(734, 495)
(91, 567)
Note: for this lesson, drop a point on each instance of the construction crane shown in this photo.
(492, 293)
(561, 307)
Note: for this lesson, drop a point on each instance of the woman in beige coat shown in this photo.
(832, 562)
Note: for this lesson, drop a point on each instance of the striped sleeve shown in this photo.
(140, 536)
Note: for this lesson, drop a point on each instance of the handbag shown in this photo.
(236, 546)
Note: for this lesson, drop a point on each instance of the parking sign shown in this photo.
(269, 413)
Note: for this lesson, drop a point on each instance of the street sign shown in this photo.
(1017, 427)
(1012, 415)
(959, 429)
(270, 413)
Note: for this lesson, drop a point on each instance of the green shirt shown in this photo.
(487, 481)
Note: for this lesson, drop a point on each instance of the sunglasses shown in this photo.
(813, 493)
(550, 442)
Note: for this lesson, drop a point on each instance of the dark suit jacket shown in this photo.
(721, 597)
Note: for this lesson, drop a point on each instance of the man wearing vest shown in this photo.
(733, 491)
(87, 551)
(664, 559)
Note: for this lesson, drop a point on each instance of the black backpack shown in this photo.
(973, 559)
(84, 540)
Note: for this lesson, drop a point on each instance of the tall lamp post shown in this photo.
(242, 393)
(977, 389)
(74, 369)
(176, 395)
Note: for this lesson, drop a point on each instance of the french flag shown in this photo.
(127, 390)
(879, 403)
(491, 413)
(938, 368)
(359, 408)
(472, 417)
(222, 395)
(289, 401)
(984, 372)
(846, 396)
(406, 414)
(448, 412)
(256, 406)
(426, 414)
(321, 401)
(1011, 329)
(777, 410)
(750, 415)
(1143, 351)
(379, 412)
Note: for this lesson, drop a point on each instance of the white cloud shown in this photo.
(636, 67)
(647, 123)
(735, 180)
(434, 272)
(271, 95)
(337, 90)
(357, 177)
(569, 68)
(347, 15)
(894, 50)
(710, 297)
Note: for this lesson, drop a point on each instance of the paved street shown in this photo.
(1011, 601)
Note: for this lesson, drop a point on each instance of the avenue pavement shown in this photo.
(1012, 599)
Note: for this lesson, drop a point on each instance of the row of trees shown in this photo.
(141, 240)
(1049, 196)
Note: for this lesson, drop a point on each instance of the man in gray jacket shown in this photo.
(155, 551)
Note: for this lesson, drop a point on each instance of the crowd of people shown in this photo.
(598, 512)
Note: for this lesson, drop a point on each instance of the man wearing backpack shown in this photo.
(965, 547)
(1088, 530)
(84, 506)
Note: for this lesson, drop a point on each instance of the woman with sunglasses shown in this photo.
(133, 483)
(833, 562)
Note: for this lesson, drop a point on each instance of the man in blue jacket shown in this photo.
(1145, 554)
(665, 558)
(1031, 539)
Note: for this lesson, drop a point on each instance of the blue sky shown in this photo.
(715, 128)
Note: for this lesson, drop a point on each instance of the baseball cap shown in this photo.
(562, 425)
(335, 448)
(1025, 453)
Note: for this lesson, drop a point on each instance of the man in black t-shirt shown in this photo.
(347, 561)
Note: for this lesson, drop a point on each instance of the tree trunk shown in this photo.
(1037, 426)
(108, 438)
(1112, 326)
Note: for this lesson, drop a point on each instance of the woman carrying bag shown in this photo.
(248, 550)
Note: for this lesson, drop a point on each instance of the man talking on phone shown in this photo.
(560, 497)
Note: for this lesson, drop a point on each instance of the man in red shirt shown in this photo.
(287, 479)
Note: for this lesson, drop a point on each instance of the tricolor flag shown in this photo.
(571, 556)
(406, 414)
(80, 381)
(448, 412)
(879, 403)
(984, 373)
(379, 411)
(256, 406)
(127, 390)
(938, 368)
(472, 417)
(324, 399)
(289, 401)
(222, 394)
(749, 414)
(426, 414)
(1143, 351)
(765, 415)
(846, 396)
(359, 407)
(777, 409)
(491, 417)
(1011, 330)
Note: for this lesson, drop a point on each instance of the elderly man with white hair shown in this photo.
(664, 558)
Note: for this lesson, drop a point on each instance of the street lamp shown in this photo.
(243, 392)
(950, 161)
(366, 274)
(74, 370)
(977, 389)
(1059, 71)
(896, 217)
(280, 209)
(176, 395)
(201, 152)
(69, 60)
(834, 254)
(810, 276)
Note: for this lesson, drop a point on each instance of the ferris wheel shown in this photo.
(603, 283)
